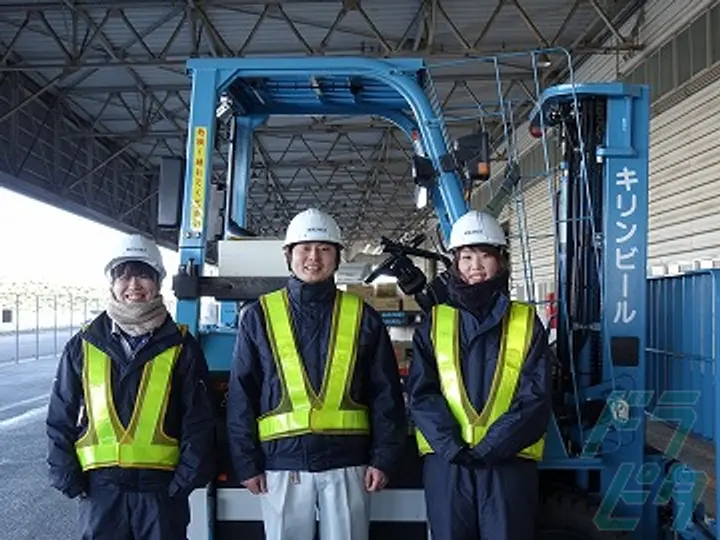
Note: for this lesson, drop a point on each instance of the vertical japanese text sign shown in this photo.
(199, 166)
(626, 239)
(625, 184)
(625, 234)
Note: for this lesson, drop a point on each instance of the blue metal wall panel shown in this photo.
(683, 343)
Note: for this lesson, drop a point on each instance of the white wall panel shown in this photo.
(685, 180)
(684, 213)
(539, 243)
(662, 18)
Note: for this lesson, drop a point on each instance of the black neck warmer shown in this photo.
(479, 298)
(300, 291)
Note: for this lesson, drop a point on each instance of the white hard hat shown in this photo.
(313, 225)
(135, 247)
(476, 228)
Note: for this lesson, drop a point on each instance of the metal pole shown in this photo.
(37, 327)
(17, 328)
(101, 165)
(55, 324)
(56, 79)
(432, 269)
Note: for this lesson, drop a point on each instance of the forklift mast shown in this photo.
(596, 440)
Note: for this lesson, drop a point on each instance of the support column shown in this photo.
(623, 318)
(201, 136)
(241, 151)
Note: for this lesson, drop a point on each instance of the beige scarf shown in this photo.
(137, 319)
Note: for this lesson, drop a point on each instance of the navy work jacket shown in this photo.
(190, 415)
(529, 414)
(255, 389)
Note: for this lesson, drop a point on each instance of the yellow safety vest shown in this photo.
(301, 410)
(143, 444)
(517, 332)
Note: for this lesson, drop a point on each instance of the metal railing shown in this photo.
(684, 343)
(683, 350)
(34, 326)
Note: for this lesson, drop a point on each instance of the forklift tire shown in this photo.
(569, 516)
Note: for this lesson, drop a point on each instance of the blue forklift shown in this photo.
(600, 480)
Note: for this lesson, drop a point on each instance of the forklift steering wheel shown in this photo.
(382, 269)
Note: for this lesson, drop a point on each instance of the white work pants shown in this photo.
(337, 498)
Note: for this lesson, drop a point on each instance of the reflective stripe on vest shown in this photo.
(517, 332)
(301, 410)
(143, 444)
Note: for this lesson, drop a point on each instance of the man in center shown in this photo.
(315, 413)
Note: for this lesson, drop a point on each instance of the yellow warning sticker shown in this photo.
(199, 168)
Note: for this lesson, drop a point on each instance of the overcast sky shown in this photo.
(42, 243)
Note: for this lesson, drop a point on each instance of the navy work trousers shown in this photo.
(112, 514)
(485, 503)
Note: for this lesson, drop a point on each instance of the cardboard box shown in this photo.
(409, 304)
(386, 290)
(384, 304)
(361, 290)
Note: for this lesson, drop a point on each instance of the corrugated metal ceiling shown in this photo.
(154, 38)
